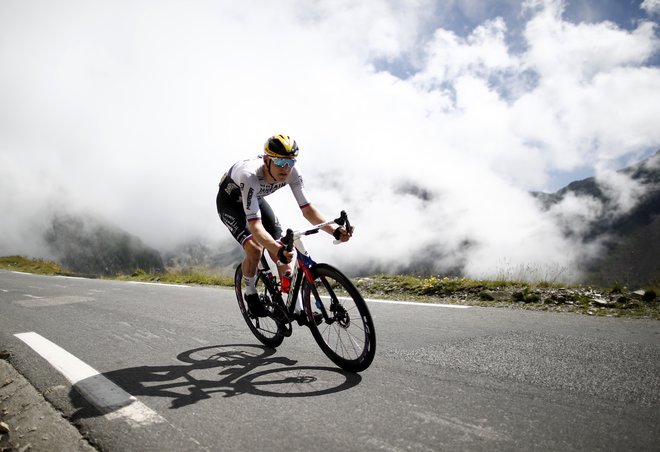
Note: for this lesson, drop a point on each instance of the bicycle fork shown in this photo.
(305, 264)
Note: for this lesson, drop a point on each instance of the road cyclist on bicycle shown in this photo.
(252, 222)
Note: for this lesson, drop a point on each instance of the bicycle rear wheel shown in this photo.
(347, 336)
(264, 328)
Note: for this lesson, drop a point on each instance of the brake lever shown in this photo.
(287, 241)
(348, 223)
(343, 221)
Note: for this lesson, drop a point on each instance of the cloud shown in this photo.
(133, 111)
(651, 6)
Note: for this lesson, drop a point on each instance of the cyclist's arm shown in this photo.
(264, 239)
(315, 217)
(249, 188)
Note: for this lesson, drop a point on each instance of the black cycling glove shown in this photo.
(280, 255)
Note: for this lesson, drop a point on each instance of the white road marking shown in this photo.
(157, 284)
(54, 301)
(107, 397)
(413, 303)
(408, 303)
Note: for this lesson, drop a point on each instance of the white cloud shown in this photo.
(593, 96)
(482, 52)
(133, 110)
(560, 49)
(651, 6)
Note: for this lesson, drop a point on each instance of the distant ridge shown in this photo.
(86, 245)
(632, 239)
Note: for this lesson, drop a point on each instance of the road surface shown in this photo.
(140, 367)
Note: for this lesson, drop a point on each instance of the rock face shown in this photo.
(631, 237)
(86, 245)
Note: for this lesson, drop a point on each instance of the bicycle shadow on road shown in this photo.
(229, 370)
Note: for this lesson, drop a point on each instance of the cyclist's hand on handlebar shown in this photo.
(342, 234)
(284, 256)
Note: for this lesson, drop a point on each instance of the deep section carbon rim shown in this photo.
(348, 337)
(264, 328)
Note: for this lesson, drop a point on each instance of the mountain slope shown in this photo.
(89, 246)
(630, 234)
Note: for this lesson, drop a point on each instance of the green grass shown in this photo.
(27, 265)
(432, 285)
(616, 301)
(180, 277)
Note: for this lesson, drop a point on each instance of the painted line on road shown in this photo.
(157, 284)
(38, 302)
(70, 277)
(106, 396)
(54, 276)
(413, 303)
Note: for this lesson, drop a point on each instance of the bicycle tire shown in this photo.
(349, 340)
(264, 328)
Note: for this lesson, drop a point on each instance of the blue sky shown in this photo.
(463, 17)
(132, 110)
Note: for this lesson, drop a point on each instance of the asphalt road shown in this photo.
(166, 368)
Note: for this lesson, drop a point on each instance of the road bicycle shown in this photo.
(336, 313)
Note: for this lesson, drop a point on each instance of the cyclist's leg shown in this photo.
(269, 220)
(253, 250)
(233, 216)
(272, 225)
(250, 262)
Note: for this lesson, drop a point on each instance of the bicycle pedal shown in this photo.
(302, 320)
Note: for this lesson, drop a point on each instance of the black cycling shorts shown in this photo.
(233, 216)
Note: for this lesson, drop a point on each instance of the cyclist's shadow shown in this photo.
(232, 370)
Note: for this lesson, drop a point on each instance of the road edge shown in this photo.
(29, 422)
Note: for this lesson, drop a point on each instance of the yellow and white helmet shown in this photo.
(281, 145)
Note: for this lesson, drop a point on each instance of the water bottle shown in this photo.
(286, 282)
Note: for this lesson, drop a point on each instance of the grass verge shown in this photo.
(616, 301)
(37, 266)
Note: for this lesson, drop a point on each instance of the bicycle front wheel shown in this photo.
(264, 328)
(347, 335)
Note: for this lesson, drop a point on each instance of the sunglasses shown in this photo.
(281, 162)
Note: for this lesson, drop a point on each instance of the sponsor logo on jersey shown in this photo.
(267, 189)
(249, 197)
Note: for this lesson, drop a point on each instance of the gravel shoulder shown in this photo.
(622, 302)
(30, 423)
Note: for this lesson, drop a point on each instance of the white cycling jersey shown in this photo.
(249, 176)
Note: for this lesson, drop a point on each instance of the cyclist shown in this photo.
(252, 222)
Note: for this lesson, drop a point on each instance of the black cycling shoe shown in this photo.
(255, 306)
(301, 318)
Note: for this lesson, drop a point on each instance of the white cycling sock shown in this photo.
(250, 284)
(299, 305)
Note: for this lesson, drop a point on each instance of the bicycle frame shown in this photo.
(332, 306)
(301, 268)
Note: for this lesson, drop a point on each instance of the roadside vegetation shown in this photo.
(185, 276)
(615, 301)
(37, 266)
